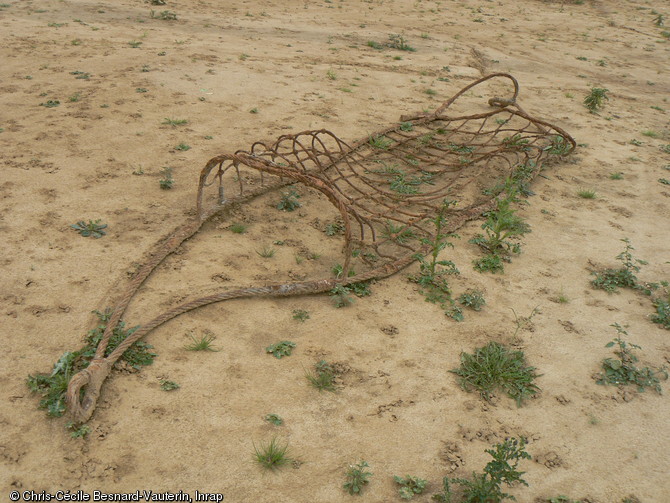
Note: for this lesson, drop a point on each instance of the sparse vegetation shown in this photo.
(623, 277)
(300, 315)
(166, 182)
(433, 272)
(381, 142)
(238, 228)
(204, 343)
(279, 349)
(473, 299)
(587, 193)
(486, 487)
(266, 252)
(182, 147)
(494, 366)
(322, 377)
(167, 385)
(289, 201)
(595, 100)
(502, 224)
(357, 477)
(93, 228)
(274, 419)
(53, 386)
(271, 455)
(623, 370)
(341, 296)
(175, 122)
(410, 486)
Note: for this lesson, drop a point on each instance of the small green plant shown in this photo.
(494, 366)
(238, 228)
(166, 182)
(594, 101)
(331, 75)
(618, 175)
(650, 133)
(141, 90)
(74, 98)
(274, 419)
(334, 228)
(433, 272)
(165, 15)
(500, 226)
(398, 232)
(78, 431)
(202, 344)
(182, 147)
(622, 370)
(406, 126)
(50, 103)
(611, 279)
(341, 296)
(409, 486)
(92, 229)
(486, 487)
(664, 181)
(253, 110)
(381, 142)
(357, 477)
(81, 75)
(662, 305)
(300, 315)
(271, 455)
(473, 299)
(175, 122)
(398, 41)
(289, 201)
(587, 193)
(266, 252)
(167, 385)
(322, 377)
(375, 45)
(279, 349)
(134, 44)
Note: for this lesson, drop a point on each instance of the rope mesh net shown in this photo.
(386, 187)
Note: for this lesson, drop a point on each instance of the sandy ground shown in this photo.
(241, 71)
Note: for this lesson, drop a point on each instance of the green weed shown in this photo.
(182, 147)
(271, 455)
(473, 299)
(397, 41)
(289, 201)
(274, 419)
(594, 101)
(494, 366)
(500, 226)
(53, 386)
(165, 15)
(175, 122)
(50, 103)
(166, 182)
(279, 349)
(266, 252)
(92, 229)
(622, 370)
(300, 315)
(432, 272)
(202, 344)
(409, 486)
(322, 377)
(587, 193)
(167, 385)
(486, 487)
(237, 228)
(357, 477)
(611, 279)
(381, 142)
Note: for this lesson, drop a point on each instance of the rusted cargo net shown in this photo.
(386, 188)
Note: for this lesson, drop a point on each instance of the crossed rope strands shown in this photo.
(385, 187)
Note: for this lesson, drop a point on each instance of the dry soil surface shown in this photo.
(242, 71)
